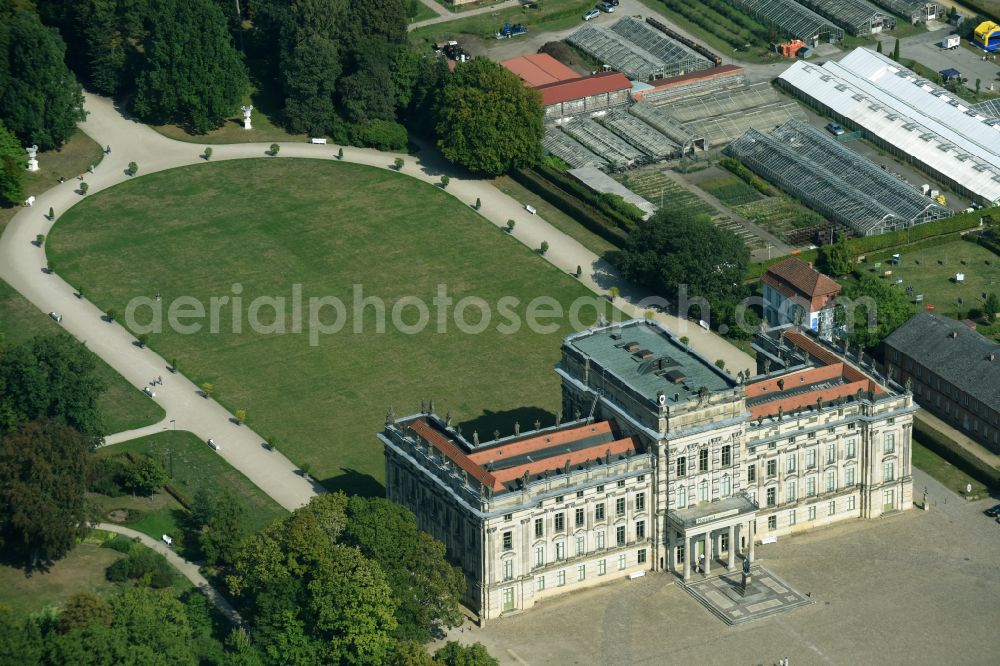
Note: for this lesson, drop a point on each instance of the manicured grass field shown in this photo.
(124, 406)
(267, 225)
(80, 571)
(194, 465)
(550, 16)
(930, 269)
(263, 128)
(942, 470)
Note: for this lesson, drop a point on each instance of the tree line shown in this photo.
(333, 68)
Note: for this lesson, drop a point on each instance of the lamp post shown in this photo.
(170, 453)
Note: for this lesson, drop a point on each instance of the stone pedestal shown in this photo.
(33, 164)
(246, 123)
(746, 584)
(247, 110)
(32, 161)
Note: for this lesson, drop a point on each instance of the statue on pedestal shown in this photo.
(747, 580)
(32, 161)
(247, 110)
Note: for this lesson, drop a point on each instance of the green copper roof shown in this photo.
(647, 358)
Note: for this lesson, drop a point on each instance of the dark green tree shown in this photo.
(50, 377)
(143, 477)
(487, 119)
(991, 306)
(240, 650)
(456, 654)
(309, 598)
(677, 249)
(21, 641)
(836, 259)
(426, 586)
(12, 167)
(895, 51)
(218, 523)
(191, 74)
(410, 653)
(42, 484)
(872, 309)
(40, 99)
(84, 609)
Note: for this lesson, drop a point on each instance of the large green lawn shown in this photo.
(82, 570)
(124, 406)
(193, 465)
(269, 224)
(930, 270)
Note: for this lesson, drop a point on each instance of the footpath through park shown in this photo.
(24, 268)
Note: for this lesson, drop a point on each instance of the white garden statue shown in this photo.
(32, 162)
(247, 110)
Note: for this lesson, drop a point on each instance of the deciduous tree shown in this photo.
(836, 259)
(876, 308)
(487, 119)
(42, 484)
(456, 654)
(12, 167)
(190, 74)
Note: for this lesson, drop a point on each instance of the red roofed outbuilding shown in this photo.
(793, 289)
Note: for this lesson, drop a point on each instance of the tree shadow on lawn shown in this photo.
(489, 422)
(353, 482)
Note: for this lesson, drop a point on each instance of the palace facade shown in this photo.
(665, 464)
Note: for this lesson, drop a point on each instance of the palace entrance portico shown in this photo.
(710, 531)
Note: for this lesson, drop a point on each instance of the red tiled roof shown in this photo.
(441, 443)
(557, 462)
(543, 441)
(539, 69)
(802, 277)
(585, 86)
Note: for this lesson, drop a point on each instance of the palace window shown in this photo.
(811, 459)
(508, 540)
(560, 522)
(599, 537)
(772, 468)
(580, 545)
(508, 517)
(703, 460)
(790, 491)
(727, 455)
(640, 530)
(725, 488)
(602, 567)
(831, 481)
(751, 473)
(849, 476)
(560, 550)
(810, 486)
(540, 583)
(599, 511)
(620, 506)
(772, 522)
(641, 556)
(790, 463)
(539, 556)
(831, 453)
(579, 517)
(579, 494)
(682, 466)
(849, 448)
(621, 562)
(561, 578)
(681, 497)
(559, 499)
(889, 471)
(703, 491)
(508, 569)
(812, 512)
(640, 501)
(621, 483)
(620, 535)
(850, 503)
(771, 494)
(791, 517)
(831, 508)
(889, 442)
(581, 572)
(539, 528)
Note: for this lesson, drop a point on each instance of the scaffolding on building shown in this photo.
(833, 180)
(858, 17)
(656, 57)
(650, 141)
(917, 11)
(792, 18)
(572, 152)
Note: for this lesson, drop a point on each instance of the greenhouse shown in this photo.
(636, 50)
(573, 153)
(858, 17)
(638, 133)
(917, 11)
(620, 153)
(833, 180)
(792, 18)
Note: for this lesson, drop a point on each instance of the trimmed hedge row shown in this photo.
(943, 445)
(623, 213)
(586, 215)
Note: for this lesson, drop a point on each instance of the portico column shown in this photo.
(751, 536)
(708, 552)
(687, 558)
(671, 565)
(732, 547)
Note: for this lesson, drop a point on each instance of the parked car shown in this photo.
(56, 316)
(613, 3)
(148, 391)
(993, 511)
(606, 7)
(593, 13)
(834, 129)
(211, 442)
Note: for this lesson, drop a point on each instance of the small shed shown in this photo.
(950, 73)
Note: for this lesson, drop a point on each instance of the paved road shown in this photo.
(21, 266)
(444, 15)
(188, 569)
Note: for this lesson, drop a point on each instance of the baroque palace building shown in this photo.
(668, 464)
